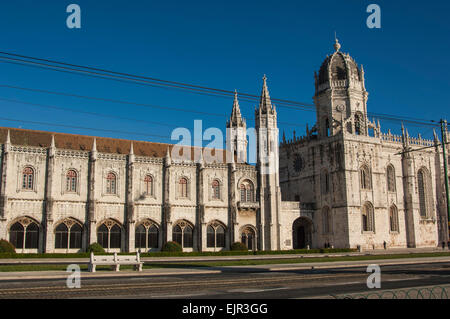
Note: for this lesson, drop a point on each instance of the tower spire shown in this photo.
(236, 116)
(265, 104)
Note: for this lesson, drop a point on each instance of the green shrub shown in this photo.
(96, 248)
(7, 247)
(172, 246)
(238, 246)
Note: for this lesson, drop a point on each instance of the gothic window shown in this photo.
(247, 191)
(326, 218)
(393, 219)
(71, 181)
(183, 187)
(325, 182)
(215, 235)
(368, 223)
(68, 235)
(24, 234)
(215, 189)
(147, 235)
(28, 178)
(109, 234)
(366, 180)
(148, 181)
(248, 238)
(111, 183)
(182, 233)
(423, 188)
(390, 173)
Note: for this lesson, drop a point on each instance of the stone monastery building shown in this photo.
(345, 184)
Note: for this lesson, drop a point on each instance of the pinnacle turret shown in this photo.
(265, 104)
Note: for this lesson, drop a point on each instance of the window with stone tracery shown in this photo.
(148, 181)
(247, 191)
(28, 178)
(109, 234)
(71, 181)
(216, 189)
(147, 235)
(68, 235)
(365, 178)
(111, 183)
(367, 214)
(24, 234)
(215, 235)
(182, 234)
(424, 195)
(183, 187)
(393, 219)
(390, 173)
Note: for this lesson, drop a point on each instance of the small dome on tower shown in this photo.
(338, 66)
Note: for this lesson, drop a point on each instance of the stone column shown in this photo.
(200, 216)
(130, 220)
(92, 202)
(3, 193)
(166, 208)
(49, 202)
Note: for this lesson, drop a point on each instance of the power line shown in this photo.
(178, 84)
(121, 102)
(103, 73)
(80, 127)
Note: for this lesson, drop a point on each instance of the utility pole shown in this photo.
(444, 153)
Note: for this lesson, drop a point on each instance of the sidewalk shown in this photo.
(11, 276)
(68, 261)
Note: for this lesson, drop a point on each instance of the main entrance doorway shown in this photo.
(302, 233)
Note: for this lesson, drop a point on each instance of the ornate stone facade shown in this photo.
(363, 188)
(344, 184)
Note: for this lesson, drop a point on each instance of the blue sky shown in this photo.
(221, 44)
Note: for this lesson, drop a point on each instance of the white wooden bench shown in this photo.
(115, 261)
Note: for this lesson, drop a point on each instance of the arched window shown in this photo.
(368, 223)
(215, 189)
(68, 235)
(148, 180)
(393, 219)
(247, 191)
(215, 235)
(366, 180)
(326, 218)
(147, 235)
(109, 234)
(61, 236)
(325, 182)
(24, 234)
(390, 174)
(248, 238)
(111, 183)
(182, 233)
(183, 187)
(423, 185)
(28, 178)
(71, 181)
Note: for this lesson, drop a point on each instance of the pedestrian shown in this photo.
(384, 244)
(443, 245)
(448, 244)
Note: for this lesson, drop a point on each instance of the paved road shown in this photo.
(246, 285)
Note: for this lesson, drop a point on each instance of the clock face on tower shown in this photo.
(298, 163)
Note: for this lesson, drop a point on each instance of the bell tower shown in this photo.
(340, 96)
